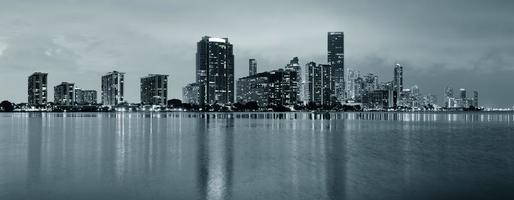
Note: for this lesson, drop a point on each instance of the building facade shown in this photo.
(64, 94)
(154, 90)
(215, 70)
(113, 88)
(397, 84)
(37, 89)
(335, 46)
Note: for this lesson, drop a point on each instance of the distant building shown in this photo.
(154, 90)
(277, 87)
(252, 67)
(85, 97)
(64, 94)
(335, 46)
(37, 89)
(215, 70)
(113, 88)
(449, 98)
(320, 84)
(193, 93)
(462, 93)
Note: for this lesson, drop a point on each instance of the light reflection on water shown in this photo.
(256, 155)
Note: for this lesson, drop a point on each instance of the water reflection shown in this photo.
(215, 143)
(255, 155)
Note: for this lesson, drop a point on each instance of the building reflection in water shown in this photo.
(35, 133)
(215, 143)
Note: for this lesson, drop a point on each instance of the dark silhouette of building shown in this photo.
(335, 46)
(64, 94)
(113, 88)
(154, 89)
(215, 70)
(252, 67)
(37, 89)
(397, 84)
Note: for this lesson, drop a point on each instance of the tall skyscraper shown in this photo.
(397, 84)
(154, 89)
(320, 83)
(64, 94)
(463, 93)
(336, 59)
(215, 70)
(449, 97)
(37, 89)
(113, 88)
(252, 67)
(294, 65)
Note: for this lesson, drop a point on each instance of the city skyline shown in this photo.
(460, 48)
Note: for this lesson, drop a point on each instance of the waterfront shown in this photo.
(257, 155)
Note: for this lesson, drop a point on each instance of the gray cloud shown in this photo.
(462, 43)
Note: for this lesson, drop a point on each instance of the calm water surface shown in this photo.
(256, 156)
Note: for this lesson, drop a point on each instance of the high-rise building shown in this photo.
(335, 46)
(320, 83)
(449, 97)
(192, 93)
(37, 89)
(252, 67)
(277, 87)
(154, 89)
(215, 70)
(397, 84)
(64, 94)
(113, 88)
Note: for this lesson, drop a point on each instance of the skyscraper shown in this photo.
(294, 65)
(113, 88)
(154, 89)
(37, 89)
(463, 93)
(320, 83)
(336, 59)
(277, 87)
(192, 93)
(252, 67)
(215, 70)
(64, 94)
(397, 84)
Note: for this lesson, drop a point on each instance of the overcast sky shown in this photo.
(461, 43)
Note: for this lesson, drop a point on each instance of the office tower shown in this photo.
(350, 86)
(64, 94)
(320, 83)
(475, 99)
(370, 82)
(215, 70)
(277, 87)
(113, 88)
(154, 90)
(192, 93)
(397, 84)
(37, 89)
(252, 67)
(335, 46)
